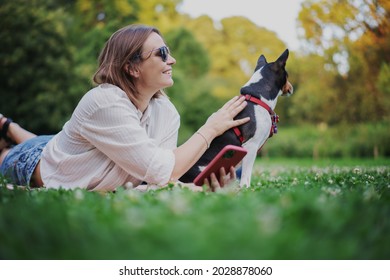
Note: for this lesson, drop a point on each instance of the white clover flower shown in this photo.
(78, 194)
(357, 170)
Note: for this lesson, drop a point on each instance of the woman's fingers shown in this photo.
(231, 102)
(240, 121)
(223, 119)
(232, 173)
(224, 179)
(235, 105)
(215, 185)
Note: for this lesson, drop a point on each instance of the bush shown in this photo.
(362, 140)
(36, 65)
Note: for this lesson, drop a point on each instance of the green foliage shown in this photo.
(36, 65)
(194, 61)
(160, 13)
(384, 78)
(104, 13)
(195, 115)
(191, 93)
(364, 140)
(234, 46)
(313, 89)
(292, 211)
(354, 39)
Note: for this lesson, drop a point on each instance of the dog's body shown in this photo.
(267, 83)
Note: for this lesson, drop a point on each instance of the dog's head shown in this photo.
(269, 79)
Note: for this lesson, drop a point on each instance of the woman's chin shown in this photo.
(170, 83)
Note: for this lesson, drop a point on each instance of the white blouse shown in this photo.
(108, 142)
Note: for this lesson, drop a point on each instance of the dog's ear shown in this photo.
(280, 63)
(261, 62)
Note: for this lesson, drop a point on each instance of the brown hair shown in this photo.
(123, 48)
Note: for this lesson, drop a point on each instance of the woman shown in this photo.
(124, 130)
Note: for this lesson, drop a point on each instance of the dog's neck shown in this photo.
(259, 101)
(255, 88)
(266, 106)
(270, 103)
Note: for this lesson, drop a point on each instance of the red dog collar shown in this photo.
(274, 117)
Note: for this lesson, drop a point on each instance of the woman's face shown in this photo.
(154, 73)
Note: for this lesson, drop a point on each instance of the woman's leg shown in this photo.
(15, 132)
(3, 154)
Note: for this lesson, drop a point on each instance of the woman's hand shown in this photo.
(223, 180)
(223, 119)
(187, 154)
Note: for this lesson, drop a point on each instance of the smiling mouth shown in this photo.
(168, 72)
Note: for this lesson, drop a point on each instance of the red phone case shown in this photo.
(229, 156)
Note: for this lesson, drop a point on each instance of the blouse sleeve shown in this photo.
(164, 123)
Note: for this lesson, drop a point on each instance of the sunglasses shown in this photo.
(162, 51)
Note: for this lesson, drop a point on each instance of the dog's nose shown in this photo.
(289, 88)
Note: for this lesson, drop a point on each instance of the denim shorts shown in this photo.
(19, 164)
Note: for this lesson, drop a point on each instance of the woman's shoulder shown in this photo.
(163, 102)
(106, 93)
(101, 98)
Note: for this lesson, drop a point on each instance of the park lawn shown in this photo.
(294, 209)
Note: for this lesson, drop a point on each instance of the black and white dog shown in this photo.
(267, 83)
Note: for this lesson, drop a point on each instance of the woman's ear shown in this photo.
(132, 70)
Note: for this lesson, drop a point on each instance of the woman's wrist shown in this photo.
(207, 134)
(204, 138)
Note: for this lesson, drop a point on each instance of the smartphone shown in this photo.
(229, 156)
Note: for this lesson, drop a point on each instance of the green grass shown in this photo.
(295, 209)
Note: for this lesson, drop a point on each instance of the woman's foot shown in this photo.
(13, 133)
(5, 141)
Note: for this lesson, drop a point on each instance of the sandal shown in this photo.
(4, 129)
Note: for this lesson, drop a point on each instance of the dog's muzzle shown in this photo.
(288, 89)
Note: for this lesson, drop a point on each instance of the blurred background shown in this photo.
(339, 66)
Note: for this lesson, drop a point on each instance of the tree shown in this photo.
(160, 13)
(194, 60)
(314, 94)
(354, 38)
(332, 23)
(36, 64)
(234, 45)
(191, 90)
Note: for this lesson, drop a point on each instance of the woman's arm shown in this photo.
(189, 153)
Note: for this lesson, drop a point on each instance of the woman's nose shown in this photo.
(171, 59)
